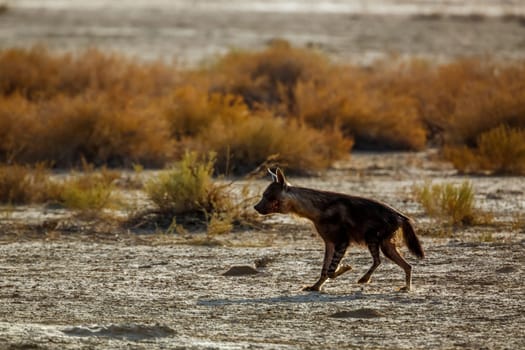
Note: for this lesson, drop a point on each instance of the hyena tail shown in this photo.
(411, 239)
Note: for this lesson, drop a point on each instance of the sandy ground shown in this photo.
(192, 31)
(74, 294)
(75, 290)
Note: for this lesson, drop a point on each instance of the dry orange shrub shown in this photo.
(102, 130)
(500, 151)
(478, 106)
(31, 73)
(16, 127)
(96, 107)
(191, 110)
(243, 146)
(116, 111)
(484, 105)
(301, 84)
(36, 74)
(96, 128)
(375, 118)
(268, 77)
(243, 139)
(460, 100)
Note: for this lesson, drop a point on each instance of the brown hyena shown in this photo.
(342, 220)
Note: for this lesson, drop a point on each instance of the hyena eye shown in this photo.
(270, 197)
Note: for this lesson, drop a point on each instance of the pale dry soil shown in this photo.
(193, 31)
(81, 291)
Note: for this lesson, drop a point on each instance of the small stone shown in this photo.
(242, 270)
(507, 269)
(359, 313)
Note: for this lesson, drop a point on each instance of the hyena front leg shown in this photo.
(328, 255)
(335, 270)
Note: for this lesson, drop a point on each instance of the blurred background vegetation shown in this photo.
(291, 105)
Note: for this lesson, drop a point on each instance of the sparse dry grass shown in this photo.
(89, 192)
(24, 185)
(86, 192)
(450, 203)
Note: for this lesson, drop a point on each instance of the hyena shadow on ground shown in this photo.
(300, 299)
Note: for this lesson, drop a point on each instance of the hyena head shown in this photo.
(274, 197)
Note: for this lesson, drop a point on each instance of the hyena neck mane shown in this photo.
(307, 203)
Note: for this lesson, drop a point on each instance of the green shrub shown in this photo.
(188, 188)
(186, 195)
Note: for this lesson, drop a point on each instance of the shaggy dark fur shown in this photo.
(342, 220)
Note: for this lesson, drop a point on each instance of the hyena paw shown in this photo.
(313, 288)
(364, 279)
(405, 289)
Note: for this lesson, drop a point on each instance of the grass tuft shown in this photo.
(15, 182)
(89, 192)
(449, 202)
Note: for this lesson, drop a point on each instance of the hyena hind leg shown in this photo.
(374, 250)
(340, 270)
(389, 249)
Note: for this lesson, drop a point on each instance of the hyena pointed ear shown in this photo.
(281, 178)
(274, 176)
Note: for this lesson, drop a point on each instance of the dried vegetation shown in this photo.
(185, 195)
(88, 192)
(451, 204)
(287, 104)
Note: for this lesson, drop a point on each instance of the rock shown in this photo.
(242, 270)
(507, 269)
